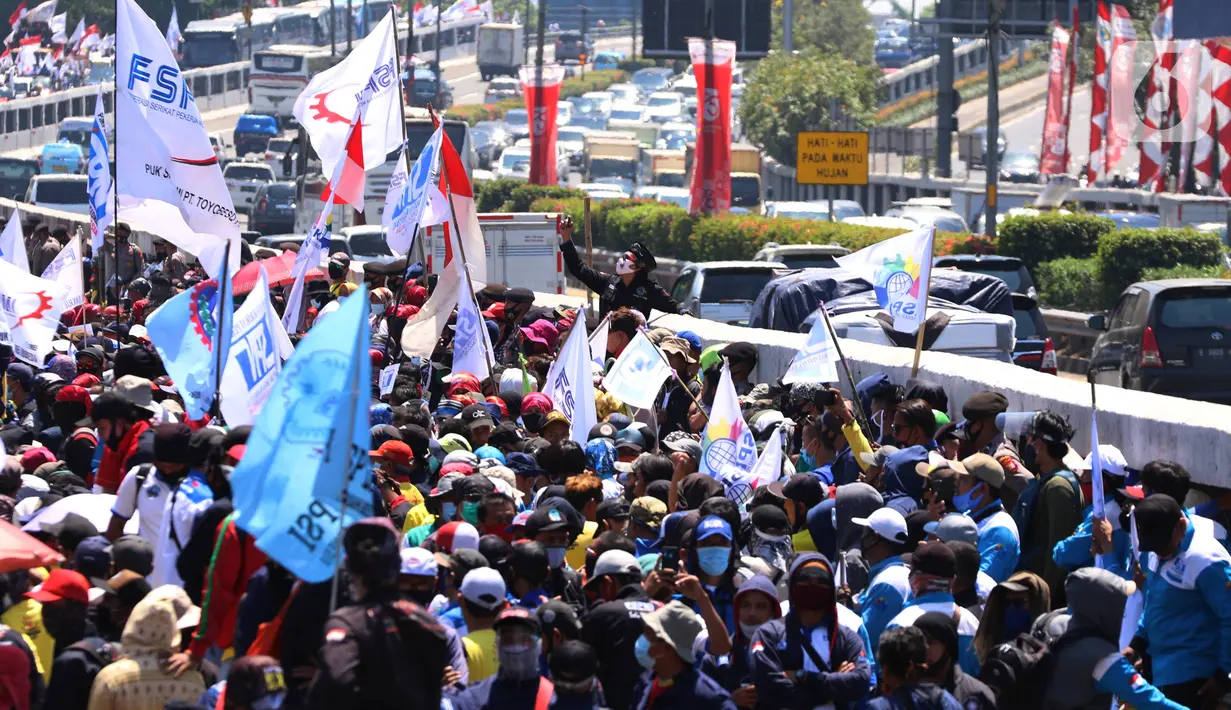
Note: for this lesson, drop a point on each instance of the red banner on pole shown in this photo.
(1075, 43)
(541, 110)
(712, 61)
(1055, 138)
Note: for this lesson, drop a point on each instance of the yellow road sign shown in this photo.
(832, 158)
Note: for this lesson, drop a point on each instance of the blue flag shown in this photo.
(185, 332)
(309, 448)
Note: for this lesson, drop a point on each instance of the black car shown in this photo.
(1168, 337)
(428, 89)
(273, 208)
(1034, 348)
(572, 46)
(15, 174)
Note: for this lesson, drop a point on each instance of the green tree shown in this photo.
(788, 94)
(840, 27)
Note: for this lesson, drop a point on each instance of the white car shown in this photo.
(624, 94)
(66, 193)
(514, 162)
(987, 336)
(627, 112)
(884, 222)
(564, 113)
(602, 100)
(599, 191)
(664, 106)
(573, 141)
(242, 181)
(818, 210)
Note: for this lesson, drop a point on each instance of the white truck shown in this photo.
(523, 249)
(500, 50)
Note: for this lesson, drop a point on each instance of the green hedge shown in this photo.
(576, 86)
(509, 195)
(1125, 255)
(1048, 237)
(1071, 284)
(1186, 272)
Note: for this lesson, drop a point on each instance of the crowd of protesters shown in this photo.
(914, 553)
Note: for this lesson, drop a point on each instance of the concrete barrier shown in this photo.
(1144, 426)
(923, 75)
(70, 221)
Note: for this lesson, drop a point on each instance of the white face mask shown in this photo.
(625, 267)
(748, 629)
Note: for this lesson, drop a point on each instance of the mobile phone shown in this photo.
(670, 558)
(824, 398)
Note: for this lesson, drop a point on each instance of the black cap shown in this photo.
(770, 517)
(528, 560)
(602, 430)
(201, 443)
(947, 431)
(643, 257)
(940, 628)
(132, 552)
(517, 616)
(545, 519)
(573, 662)
(804, 488)
(463, 561)
(371, 547)
(111, 406)
(472, 486)
(494, 292)
(740, 352)
(476, 415)
(519, 295)
(613, 509)
(556, 614)
(935, 559)
(506, 435)
(70, 531)
(1156, 516)
(984, 405)
(171, 442)
(495, 550)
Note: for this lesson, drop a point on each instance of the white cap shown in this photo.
(465, 537)
(418, 562)
(1113, 461)
(616, 562)
(484, 586)
(138, 331)
(886, 522)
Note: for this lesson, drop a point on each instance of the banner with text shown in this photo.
(1054, 129)
(542, 100)
(712, 63)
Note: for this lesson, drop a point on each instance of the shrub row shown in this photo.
(576, 86)
(1047, 237)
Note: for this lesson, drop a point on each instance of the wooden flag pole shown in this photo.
(850, 378)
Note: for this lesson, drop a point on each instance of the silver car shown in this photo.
(723, 291)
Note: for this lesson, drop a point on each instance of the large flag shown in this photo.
(1055, 132)
(174, 37)
(192, 333)
(259, 345)
(541, 88)
(637, 374)
(367, 79)
(77, 36)
(728, 450)
(43, 12)
(18, 13)
(900, 270)
(471, 346)
(710, 190)
(92, 39)
(65, 269)
(1099, 107)
(408, 195)
(13, 244)
(30, 310)
(818, 361)
(347, 186)
(598, 343)
(1096, 479)
(1221, 71)
(1152, 169)
(58, 26)
(740, 485)
(98, 177)
(309, 449)
(570, 383)
(168, 178)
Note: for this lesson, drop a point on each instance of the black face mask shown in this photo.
(336, 271)
(422, 597)
(534, 421)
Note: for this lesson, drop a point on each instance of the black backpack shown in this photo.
(1018, 671)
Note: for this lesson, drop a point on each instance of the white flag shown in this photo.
(598, 343)
(1096, 480)
(740, 484)
(168, 178)
(13, 244)
(570, 383)
(899, 269)
(728, 448)
(471, 346)
(818, 361)
(326, 106)
(98, 177)
(30, 310)
(637, 375)
(58, 26)
(258, 347)
(65, 269)
(388, 378)
(409, 195)
(173, 32)
(77, 35)
(42, 13)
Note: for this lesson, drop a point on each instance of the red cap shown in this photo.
(62, 584)
(76, 393)
(504, 408)
(110, 311)
(237, 452)
(376, 356)
(457, 467)
(394, 450)
(496, 312)
(416, 295)
(86, 380)
(406, 311)
(35, 457)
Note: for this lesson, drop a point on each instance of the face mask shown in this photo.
(1016, 621)
(713, 560)
(748, 629)
(811, 597)
(625, 267)
(500, 531)
(807, 462)
(335, 271)
(642, 651)
(534, 421)
(470, 513)
(448, 511)
(519, 662)
(422, 597)
(555, 556)
(966, 502)
(378, 309)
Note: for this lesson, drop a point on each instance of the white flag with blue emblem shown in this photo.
(98, 177)
(408, 195)
(728, 449)
(638, 374)
(471, 346)
(818, 361)
(259, 345)
(570, 383)
(13, 244)
(900, 270)
(65, 269)
(598, 343)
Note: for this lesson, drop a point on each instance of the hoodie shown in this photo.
(139, 681)
(734, 670)
(1088, 668)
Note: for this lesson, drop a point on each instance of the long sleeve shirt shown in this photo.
(885, 596)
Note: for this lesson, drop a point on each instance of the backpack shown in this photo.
(1023, 510)
(1018, 671)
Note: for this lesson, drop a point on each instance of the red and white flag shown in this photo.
(1123, 118)
(348, 186)
(1075, 46)
(1154, 149)
(75, 38)
(711, 172)
(90, 39)
(35, 41)
(1193, 104)
(1221, 80)
(1108, 36)
(1055, 134)
(18, 13)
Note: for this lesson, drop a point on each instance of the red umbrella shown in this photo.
(20, 550)
(278, 269)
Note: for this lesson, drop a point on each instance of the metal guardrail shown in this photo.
(924, 75)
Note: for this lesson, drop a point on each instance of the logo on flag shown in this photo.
(728, 449)
(898, 269)
(256, 356)
(635, 378)
(202, 306)
(817, 362)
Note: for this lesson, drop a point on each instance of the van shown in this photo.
(67, 193)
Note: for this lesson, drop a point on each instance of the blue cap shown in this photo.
(490, 452)
(693, 339)
(714, 525)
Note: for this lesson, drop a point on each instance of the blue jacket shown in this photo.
(1187, 618)
(1114, 675)
(967, 624)
(691, 690)
(778, 647)
(885, 596)
(924, 696)
(1073, 552)
(496, 693)
(999, 545)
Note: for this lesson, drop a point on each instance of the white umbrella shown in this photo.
(93, 507)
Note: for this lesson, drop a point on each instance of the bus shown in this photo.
(279, 74)
(225, 40)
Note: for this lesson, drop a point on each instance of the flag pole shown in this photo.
(224, 276)
(863, 416)
(674, 374)
(927, 289)
(348, 471)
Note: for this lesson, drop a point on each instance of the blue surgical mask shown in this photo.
(713, 560)
(642, 651)
(807, 462)
(1016, 621)
(555, 556)
(448, 511)
(966, 502)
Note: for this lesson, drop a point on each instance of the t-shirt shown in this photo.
(576, 555)
(191, 498)
(481, 655)
(150, 502)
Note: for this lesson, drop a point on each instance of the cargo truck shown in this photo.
(499, 50)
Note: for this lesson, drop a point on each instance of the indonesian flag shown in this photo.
(1155, 149)
(1221, 80)
(350, 182)
(18, 13)
(36, 40)
(90, 39)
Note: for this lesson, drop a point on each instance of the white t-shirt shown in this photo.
(190, 498)
(150, 502)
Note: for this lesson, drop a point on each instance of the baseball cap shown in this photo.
(485, 587)
(557, 614)
(1112, 460)
(714, 525)
(954, 527)
(985, 468)
(935, 559)
(612, 509)
(805, 488)
(132, 552)
(476, 415)
(602, 430)
(556, 417)
(630, 439)
(678, 626)
(615, 562)
(1156, 516)
(457, 535)
(926, 468)
(396, 451)
(683, 443)
(70, 531)
(649, 511)
(545, 519)
(445, 485)
(62, 584)
(877, 458)
(127, 585)
(418, 562)
(885, 522)
(456, 442)
(91, 557)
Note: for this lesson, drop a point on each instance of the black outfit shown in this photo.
(384, 652)
(678, 402)
(194, 559)
(10, 637)
(74, 670)
(642, 295)
(971, 692)
(566, 584)
(78, 451)
(612, 629)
